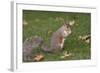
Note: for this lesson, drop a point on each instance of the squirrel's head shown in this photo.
(66, 28)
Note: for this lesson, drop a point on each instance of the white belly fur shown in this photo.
(62, 43)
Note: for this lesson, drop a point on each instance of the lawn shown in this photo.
(44, 23)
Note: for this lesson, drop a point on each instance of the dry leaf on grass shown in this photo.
(87, 41)
(72, 22)
(38, 57)
(65, 54)
(85, 38)
(25, 22)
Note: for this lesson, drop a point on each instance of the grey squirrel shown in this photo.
(58, 38)
(56, 43)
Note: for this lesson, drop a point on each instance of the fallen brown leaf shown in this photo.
(25, 22)
(38, 57)
(65, 54)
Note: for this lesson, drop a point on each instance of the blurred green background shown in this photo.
(44, 23)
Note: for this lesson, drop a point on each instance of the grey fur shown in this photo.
(30, 44)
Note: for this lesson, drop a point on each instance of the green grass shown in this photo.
(44, 23)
